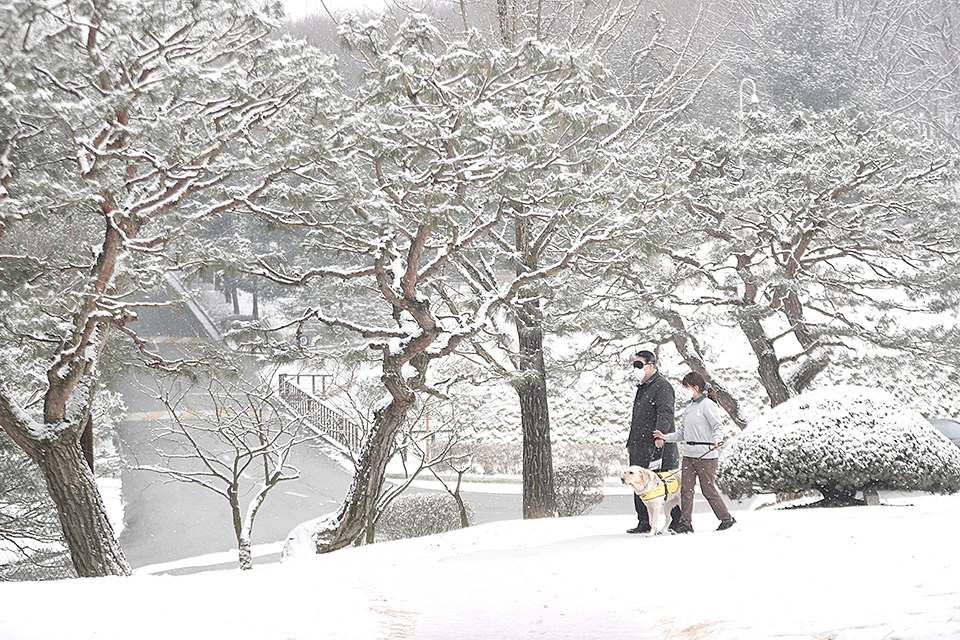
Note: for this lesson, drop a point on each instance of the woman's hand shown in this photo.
(658, 438)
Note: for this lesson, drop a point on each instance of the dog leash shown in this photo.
(712, 446)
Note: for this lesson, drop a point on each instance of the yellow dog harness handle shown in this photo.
(670, 483)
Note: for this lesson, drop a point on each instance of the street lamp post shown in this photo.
(754, 99)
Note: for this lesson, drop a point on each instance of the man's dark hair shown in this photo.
(647, 356)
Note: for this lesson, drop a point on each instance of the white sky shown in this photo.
(300, 8)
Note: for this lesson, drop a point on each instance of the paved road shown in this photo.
(167, 521)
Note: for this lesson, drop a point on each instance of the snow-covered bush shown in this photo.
(839, 440)
(611, 459)
(506, 458)
(578, 487)
(419, 514)
(495, 458)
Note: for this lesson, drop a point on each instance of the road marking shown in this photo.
(296, 495)
(144, 416)
(148, 416)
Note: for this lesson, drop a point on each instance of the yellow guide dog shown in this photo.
(660, 491)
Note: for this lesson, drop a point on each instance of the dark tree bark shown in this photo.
(769, 365)
(86, 443)
(358, 508)
(83, 516)
(818, 357)
(749, 319)
(504, 23)
(688, 348)
(539, 499)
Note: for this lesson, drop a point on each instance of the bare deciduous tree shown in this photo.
(231, 438)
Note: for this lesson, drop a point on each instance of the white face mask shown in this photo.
(638, 374)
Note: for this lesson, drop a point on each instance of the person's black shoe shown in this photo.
(727, 524)
(683, 528)
(639, 529)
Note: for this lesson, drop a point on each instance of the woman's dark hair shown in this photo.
(694, 379)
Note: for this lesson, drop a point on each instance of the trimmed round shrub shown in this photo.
(419, 514)
(578, 488)
(839, 440)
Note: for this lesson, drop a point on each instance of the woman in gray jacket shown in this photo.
(701, 431)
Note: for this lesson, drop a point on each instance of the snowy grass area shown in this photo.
(856, 573)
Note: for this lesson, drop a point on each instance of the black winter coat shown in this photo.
(653, 409)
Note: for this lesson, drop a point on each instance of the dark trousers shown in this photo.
(706, 470)
(641, 457)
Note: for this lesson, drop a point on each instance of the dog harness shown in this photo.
(669, 484)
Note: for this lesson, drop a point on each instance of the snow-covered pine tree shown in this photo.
(121, 127)
(407, 215)
(819, 231)
(641, 47)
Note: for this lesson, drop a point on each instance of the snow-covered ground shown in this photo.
(860, 573)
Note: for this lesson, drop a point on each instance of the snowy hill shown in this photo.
(848, 574)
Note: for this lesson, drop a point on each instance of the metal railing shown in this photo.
(318, 414)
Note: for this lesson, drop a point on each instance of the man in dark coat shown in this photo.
(653, 409)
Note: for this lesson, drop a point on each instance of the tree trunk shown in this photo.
(83, 517)
(690, 351)
(504, 23)
(361, 501)
(539, 499)
(86, 444)
(818, 357)
(834, 497)
(769, 365)
(464, 517)
(245, 554)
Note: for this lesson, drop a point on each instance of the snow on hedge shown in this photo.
(839, 440)
(412, 515)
